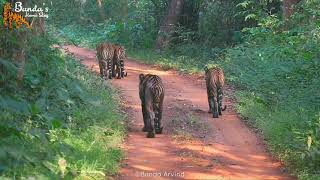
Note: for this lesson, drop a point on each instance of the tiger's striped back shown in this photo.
(215, 80)
(119, 53)
(118, 61)
(105, 51)
(151, 92)
(154, 84)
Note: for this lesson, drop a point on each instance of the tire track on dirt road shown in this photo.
(227, 149)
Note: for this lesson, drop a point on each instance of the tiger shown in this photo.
(118, 62)
(105, 55)
(215, 81)
(151, 93)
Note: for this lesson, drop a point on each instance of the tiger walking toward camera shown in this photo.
(151, 92)
(111, 60)
(118, 62)
(105, 55)
(215, 81)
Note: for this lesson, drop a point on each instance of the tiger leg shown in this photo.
(210, 99)
(101, 69)
(105, 69)
(220, 94)
(144, 129)
(150, 123)
(113, 69)
(158, 117)
(150, 116)
(215, 108)
(122, 68)
(118, 69)
(109, 71)
(209, 102)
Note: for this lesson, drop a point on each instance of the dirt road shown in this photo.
(194, 145)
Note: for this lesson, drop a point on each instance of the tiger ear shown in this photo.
(141, 77)
(98, 46)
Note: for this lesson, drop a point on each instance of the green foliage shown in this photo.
(188, 58)
(280, 69)
(218, 22)
(132, 24)
(255, 11)
(60, 122)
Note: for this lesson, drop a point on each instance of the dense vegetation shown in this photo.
(59, 120)
(271, 56)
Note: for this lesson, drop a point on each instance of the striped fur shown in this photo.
(215, 82)
(151, 92)
(118, 62)
(105, 54)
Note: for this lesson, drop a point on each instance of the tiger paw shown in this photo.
(159, 131)
(150, 135)
(144, 129)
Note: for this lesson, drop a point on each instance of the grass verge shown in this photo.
(70, 129)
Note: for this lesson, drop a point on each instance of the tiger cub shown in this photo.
(105, 54)
(118, 62)
(215, 81)
(151, 92)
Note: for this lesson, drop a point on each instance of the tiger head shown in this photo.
(143, 78)
(209, 67)
(120, 52)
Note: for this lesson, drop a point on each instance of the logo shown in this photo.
(9, 17)
(19, 13)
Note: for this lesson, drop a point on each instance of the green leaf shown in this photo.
(62, 166)
(55, 123)
(250, 16)
(309, 141)
(34, 109)
(14, 104)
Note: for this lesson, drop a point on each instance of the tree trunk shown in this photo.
(288, 9)
(124, 10)
(20, 58)
(19, 54)
(101, 10)
(168, 24)
(158, 8)
(38, 26)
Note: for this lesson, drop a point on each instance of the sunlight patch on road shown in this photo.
(143, 168)
(148, 71)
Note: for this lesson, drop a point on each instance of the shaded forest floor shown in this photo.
(194, 145)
